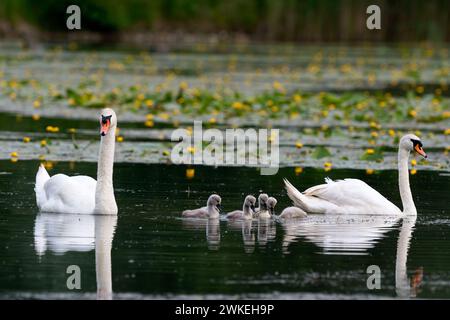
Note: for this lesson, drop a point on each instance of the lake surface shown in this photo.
(149, 251)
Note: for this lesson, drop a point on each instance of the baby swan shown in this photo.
(247, 210)
(211, 210)
(292, 213)
(267, 214)
(262, 202)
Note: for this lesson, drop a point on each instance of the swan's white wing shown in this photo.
(353, 196)
(69, 194)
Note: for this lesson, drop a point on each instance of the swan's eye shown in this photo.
(105, 122)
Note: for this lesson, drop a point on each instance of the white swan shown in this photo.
(292, 213)
(353, 196)
(82, 194)
(247, 210)
(212, 209)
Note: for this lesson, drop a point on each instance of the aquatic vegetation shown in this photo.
(330, 104)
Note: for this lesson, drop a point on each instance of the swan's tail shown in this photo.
(296, 196)
(41, 178)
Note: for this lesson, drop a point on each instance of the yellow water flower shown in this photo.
(370, 171)
(191, 149)
(298, 145)
(119, 139)
(212, 120)
(149, 123)
(52, 129)
(374, 125)
(374, 134)
(237, 105)
(164, 116)
(183, 85)
(36, 103)
(14, 160)
(48, 165)
(446, 114)
(26, 139)
(413, 171)
(43, 143)
(370, 151)
(14, 154)
(41, 157)
(71, 102)
(391, 132)
(412, 113)
(413, 162)
(72, 130)
(35, 117)
(420, 89)
(278, 86)
(149, 117)
(447, 131)
(298, 170)
(166, 153)
(190, 173)
(297, 98)
(149, 103)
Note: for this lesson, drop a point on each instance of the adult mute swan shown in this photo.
(82, 194)
(353, 196)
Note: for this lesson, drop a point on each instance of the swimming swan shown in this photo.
(212, 209)
(82, 194)
(353, 196)
(267, 214)
(247, 210)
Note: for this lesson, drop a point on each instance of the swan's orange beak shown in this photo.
(104, 125)
(420, 151)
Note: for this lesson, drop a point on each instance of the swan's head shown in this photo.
(271, 203)
(411, 142)
(108, 121)
(250, 202)
(262, 200)
(214, 200)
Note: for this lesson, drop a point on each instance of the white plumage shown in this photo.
(353, 196)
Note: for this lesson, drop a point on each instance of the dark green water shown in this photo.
(156, 254)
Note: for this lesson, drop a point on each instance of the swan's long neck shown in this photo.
(403, 182)
(246, 210)
(105, 202)
(104, 233)
(212, 211)
(402, 286)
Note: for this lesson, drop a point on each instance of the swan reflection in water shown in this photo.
(211, 226)
(355, 235)
(254, 231)
(339, 234)
(61, 233)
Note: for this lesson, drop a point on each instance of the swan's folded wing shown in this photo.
(353, 193)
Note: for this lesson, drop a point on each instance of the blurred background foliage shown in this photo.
(265, 20)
